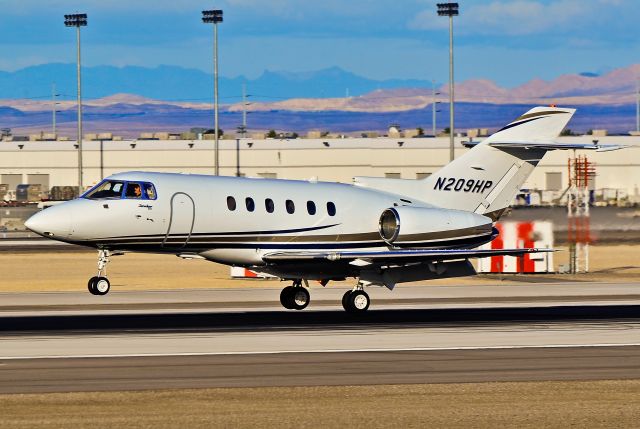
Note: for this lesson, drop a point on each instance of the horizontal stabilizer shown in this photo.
(558, 146)
(400, 256)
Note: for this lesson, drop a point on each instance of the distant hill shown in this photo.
(173, 83)
(133, 99)
(614, 88)
(182, 84)
(129, 120)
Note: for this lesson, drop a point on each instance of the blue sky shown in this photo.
(509, 42)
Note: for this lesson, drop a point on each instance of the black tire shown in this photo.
(91, 285)
(101, 286)
(345, 300)
(358, 302)
(285, 297)
(299, 298)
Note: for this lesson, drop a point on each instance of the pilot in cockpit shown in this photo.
(133, 191)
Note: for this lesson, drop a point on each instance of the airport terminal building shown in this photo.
(55, 163)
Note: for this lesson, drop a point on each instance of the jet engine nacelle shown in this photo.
(416, 226)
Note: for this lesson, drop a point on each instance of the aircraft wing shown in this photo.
(400, 256)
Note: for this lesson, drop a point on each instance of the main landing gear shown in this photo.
(356, 301)
(99, 285)
(296, 297)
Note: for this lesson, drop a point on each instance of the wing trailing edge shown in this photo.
(400, 256)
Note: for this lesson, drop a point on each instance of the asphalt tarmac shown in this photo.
(537, 291)
(153, 344)
(314, 369)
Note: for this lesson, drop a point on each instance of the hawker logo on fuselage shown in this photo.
(462, 185)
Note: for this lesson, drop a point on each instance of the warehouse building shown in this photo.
(54, 163)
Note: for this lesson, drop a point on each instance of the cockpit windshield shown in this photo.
(119, 189)
(106, 189)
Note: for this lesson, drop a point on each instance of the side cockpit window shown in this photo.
(134, 191)
(106, 189)
(149, 191)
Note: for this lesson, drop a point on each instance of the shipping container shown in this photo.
(28, 193)
(64, 193)
(4, 189)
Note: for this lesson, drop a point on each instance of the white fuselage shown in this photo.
(191, 215)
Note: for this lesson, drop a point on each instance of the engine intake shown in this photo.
(424, 226)
(389, 226)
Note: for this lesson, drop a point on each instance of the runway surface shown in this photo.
(313, 369)
(532, 291)
(427, 335)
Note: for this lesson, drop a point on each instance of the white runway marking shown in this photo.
(276, 352)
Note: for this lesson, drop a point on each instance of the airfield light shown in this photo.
(214, 17)
(450, 10)
(78, 20)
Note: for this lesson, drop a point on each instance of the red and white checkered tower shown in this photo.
(581, 174)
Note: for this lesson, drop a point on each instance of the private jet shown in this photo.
(379, 231)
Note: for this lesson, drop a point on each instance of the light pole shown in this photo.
(242, 129)
(244, 109)
(450, 10)
(434, 109)
(214, 17)
(78, 20)
(54, 108)
(638, 105)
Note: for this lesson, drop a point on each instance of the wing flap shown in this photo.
(402, 255)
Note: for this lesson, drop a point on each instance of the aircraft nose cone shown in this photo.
(53, 222)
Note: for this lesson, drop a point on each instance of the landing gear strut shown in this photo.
(356, 301)
(99, 285)
(295, 297)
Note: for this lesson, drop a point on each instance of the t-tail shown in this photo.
(486, 179)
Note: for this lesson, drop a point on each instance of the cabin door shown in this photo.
(181, 221)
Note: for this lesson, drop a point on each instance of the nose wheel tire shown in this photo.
(90, 284)
(99, 285)
(295, 298)
(356, 301)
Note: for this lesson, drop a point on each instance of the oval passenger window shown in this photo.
(268, 205)
(231, 203)
(331, 208)
(290, 206)
(311, 207)
(251, 206)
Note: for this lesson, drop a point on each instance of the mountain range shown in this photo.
(125, 100)
(173, 83)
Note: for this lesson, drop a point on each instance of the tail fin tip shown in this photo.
(542, 123)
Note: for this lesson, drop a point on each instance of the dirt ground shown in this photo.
(597, 404)
(69, 271)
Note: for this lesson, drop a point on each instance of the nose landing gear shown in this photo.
(99, 285)
(295, 297)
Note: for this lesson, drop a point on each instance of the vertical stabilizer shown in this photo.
(486, 179)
